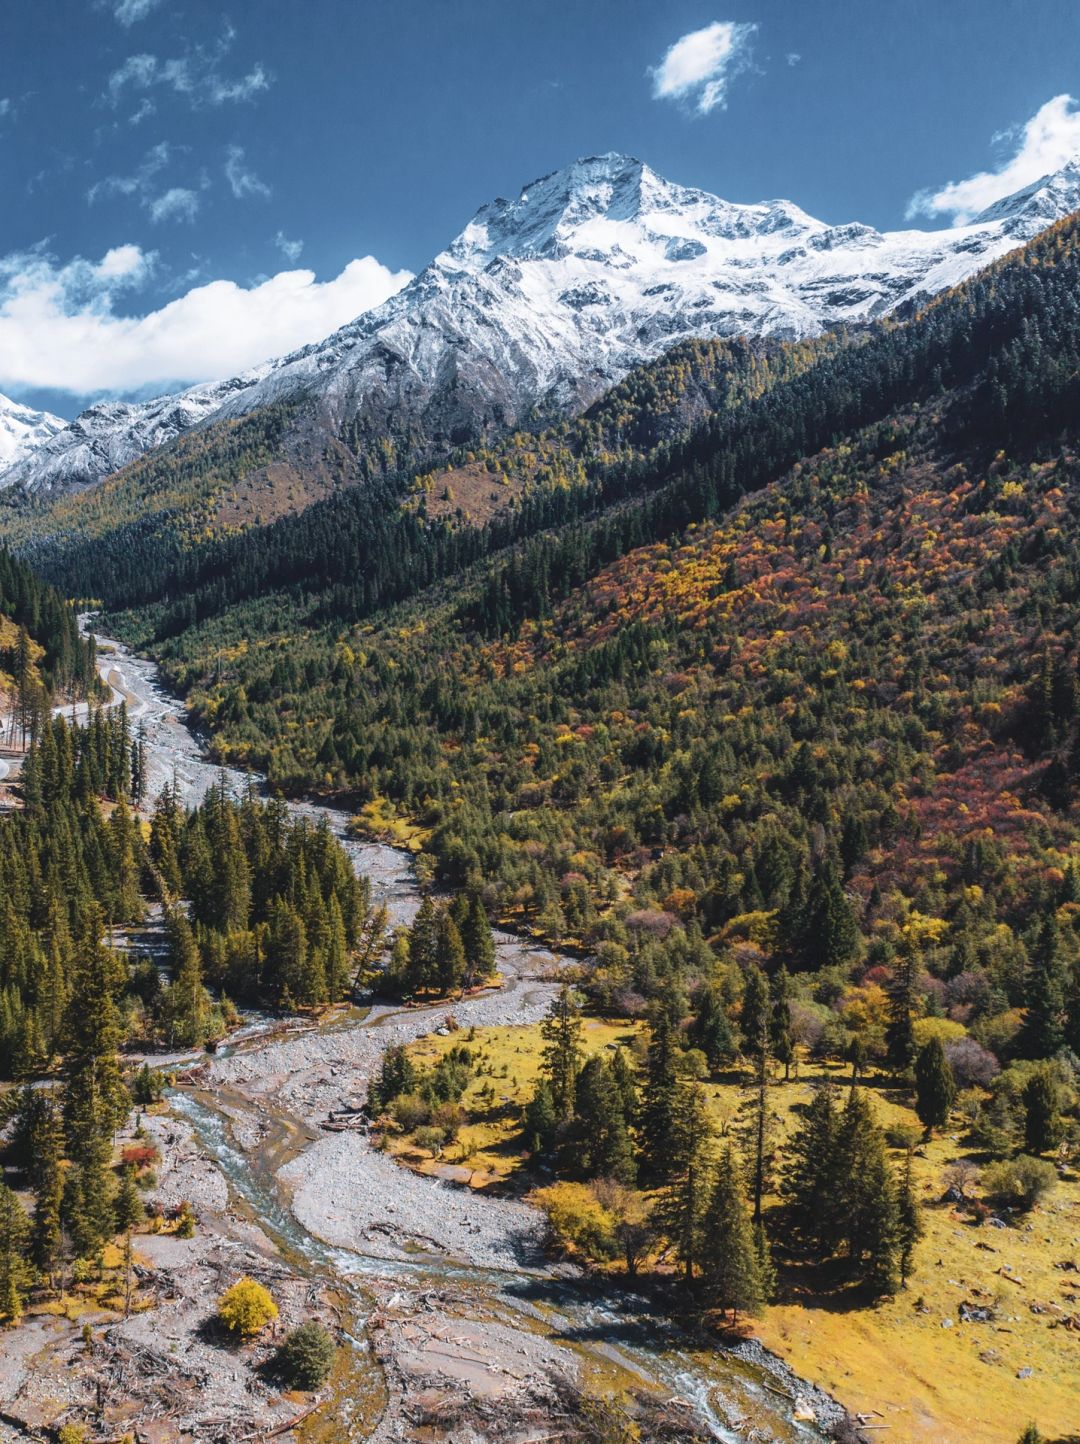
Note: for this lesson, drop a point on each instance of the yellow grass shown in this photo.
(377, 819)
(932, 1384)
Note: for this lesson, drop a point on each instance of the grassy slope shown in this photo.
(931, 1384)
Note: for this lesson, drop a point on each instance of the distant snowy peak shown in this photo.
(110, 435)
(547, 300)
(22, 430)
(1039, 204)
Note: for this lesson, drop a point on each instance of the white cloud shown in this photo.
(5, 106)
(176, 204)
(242, 181)
(141, 180)
(127, 12)
(289, 249)
(1045, 143)
(793, 57)
(59, 327)
(196, 75)
(699, 67)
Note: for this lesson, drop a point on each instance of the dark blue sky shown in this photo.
(200, 134)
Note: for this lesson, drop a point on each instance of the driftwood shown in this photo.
(285, 1428)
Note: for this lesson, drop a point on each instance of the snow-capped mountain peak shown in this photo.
(22, 430)
(1047, 199)
(544, 301)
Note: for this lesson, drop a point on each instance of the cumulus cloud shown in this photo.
(127, 12)
(196, 75)
(289, 249)
(1045, 143)
(700, 66)
(60, 326)
(242, 181)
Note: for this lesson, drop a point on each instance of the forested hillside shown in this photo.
(833, 725)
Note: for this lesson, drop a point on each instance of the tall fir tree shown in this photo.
(1045, 994)
(900, 1045)
(599, 1144)
(561, 1032)
(656, 1121)
(685, 1196)
(935, 1086)
(730, 1263)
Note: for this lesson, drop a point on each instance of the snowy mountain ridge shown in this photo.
(23, 430)
(547, 300)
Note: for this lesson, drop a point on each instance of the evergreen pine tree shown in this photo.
(729, 1251)
(908, 1223)
(757, 1019)
(14, 1271)
(658, 1100)
(561, 1031)
(187, 1003)
(541, 1121)
(423, 947)
(869, 1218)
(781, 1038)
(1045, 993)
(95, 1100)
(900, 1045)
(683, 1202)
(935, 1086)
(450, 965)
(811, 1181)
(1042, 1122)
(710, 1029)
(598, 1145)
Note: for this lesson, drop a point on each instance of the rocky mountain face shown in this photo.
(23, 431)
(544, 302)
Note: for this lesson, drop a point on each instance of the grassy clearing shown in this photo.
(378, 819)
(507, 1061)
(933, 1378)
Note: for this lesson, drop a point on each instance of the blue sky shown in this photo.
(247, 177)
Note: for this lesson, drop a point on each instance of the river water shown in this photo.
(618, 1338)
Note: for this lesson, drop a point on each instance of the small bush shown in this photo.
(73, 1434)
(577, 1220)
(139, 1155)
(185, 1221)
(431, 1139)
(148, 1085)
(1020, 1182)
(246, 1308)
(449, 1117)
(410, 1111)
(903, 1135)
(306, 1357)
